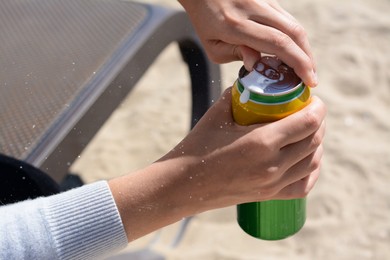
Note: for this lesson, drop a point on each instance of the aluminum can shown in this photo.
(269, 92)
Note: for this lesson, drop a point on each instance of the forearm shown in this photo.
(153, 197)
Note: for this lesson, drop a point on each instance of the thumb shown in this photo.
(221, 110)
(248, 55)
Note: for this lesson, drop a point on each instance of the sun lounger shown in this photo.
(65, 66)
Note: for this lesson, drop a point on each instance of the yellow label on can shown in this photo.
(253, 111)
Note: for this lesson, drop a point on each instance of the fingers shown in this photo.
(268, 28)
(249, 56)
(302, 170)
(301, 188)
(276, 17)
(295, 30)
(293, 47)
(295, 179)
(261, 26)
(300, 179)
(222, 52)
(299, 125)
(293, 153)
(290, 48)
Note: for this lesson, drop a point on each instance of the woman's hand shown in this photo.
(220, 163)
(232, 164)
(243, 29)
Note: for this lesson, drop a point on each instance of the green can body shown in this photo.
(273, 219)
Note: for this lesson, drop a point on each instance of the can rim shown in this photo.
(275, 97)
(243, 72)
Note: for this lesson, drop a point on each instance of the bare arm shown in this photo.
(220, 164)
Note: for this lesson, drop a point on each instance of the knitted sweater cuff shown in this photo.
(85, 224)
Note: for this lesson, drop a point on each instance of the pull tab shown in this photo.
(244, 97)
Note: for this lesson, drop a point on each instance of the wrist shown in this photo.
(153, 197)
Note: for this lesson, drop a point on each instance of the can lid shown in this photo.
(270, 77)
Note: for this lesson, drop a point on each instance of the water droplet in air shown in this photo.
(349, 121)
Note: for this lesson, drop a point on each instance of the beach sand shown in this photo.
(349, 209)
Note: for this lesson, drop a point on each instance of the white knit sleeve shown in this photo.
(82, 223)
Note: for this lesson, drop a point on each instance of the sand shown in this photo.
(348, 210)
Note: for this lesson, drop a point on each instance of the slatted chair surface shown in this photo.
(66, 65)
